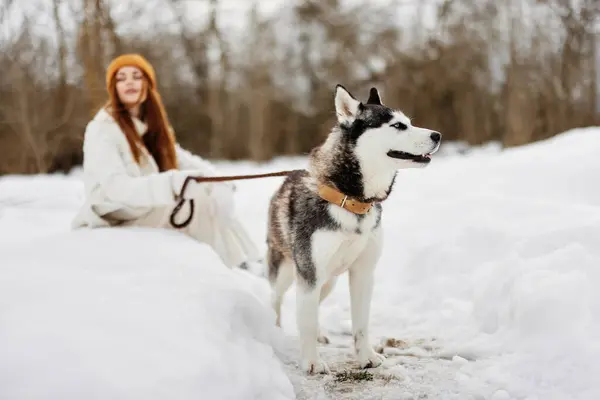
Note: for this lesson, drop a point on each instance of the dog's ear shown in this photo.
(346, 106)
(374, 97)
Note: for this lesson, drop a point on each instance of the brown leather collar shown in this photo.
(338, 198)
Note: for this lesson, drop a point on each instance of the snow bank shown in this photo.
(132, 313)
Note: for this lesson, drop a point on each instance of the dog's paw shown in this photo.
(323, 339)
(370, 359)
(314, 367)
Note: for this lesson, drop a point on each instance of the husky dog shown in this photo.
(326, 220)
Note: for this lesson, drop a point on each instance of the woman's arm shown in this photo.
(104, 165)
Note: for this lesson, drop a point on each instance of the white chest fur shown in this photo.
(334, 251)
(350, 223)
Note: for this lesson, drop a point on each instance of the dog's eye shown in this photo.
(400, 126)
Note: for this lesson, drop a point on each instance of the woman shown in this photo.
(133, 168)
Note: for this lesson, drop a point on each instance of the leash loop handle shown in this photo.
(180, 203)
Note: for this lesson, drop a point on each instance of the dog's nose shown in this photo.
(436, 136)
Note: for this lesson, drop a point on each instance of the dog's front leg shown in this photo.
(361, 277)
(307, 311)
(361, 288)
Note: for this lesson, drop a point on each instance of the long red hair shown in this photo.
(159, 139)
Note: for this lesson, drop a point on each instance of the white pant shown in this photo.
(228, 238)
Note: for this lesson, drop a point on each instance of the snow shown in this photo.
(486, 283)
(124, 313)
(131, 314)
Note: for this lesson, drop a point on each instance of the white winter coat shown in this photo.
(119, 191)
(115, 182)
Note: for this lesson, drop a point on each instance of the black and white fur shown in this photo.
(313, 241)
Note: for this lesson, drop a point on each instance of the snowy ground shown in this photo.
(486, 284)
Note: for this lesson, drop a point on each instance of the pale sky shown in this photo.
(233, 13)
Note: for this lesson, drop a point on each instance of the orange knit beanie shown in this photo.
(135, 60)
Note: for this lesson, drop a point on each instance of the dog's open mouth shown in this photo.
(401, 155)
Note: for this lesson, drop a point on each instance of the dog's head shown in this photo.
(382, 135)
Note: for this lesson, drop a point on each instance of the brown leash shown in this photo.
(181, 199)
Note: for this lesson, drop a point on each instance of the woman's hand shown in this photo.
(193, 190)
(218, 196)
